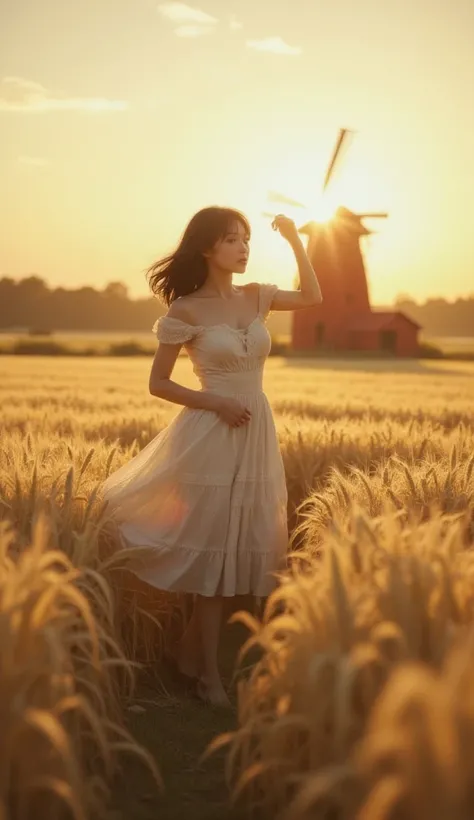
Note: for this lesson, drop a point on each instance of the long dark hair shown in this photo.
(185, 270)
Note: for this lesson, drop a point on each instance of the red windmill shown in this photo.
(345, 321)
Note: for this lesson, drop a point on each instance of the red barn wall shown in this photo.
(363, 340)
(407, 338)
(369, 340)
(304, 329)
(336, 338)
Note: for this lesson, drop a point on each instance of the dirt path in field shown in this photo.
(176, 728)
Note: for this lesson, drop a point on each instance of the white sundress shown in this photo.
(209, 500)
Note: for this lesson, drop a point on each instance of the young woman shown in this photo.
(208, 494)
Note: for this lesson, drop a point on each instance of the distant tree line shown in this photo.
(30, 303)
(438, 317)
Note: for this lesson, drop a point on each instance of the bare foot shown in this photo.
(213, 693)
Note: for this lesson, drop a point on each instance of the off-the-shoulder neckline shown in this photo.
(210, 327)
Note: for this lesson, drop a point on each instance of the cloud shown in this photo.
(18, 94)
(181, 13)
(38, 162)
(274, 45)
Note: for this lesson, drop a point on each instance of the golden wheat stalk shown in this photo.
(57, 691)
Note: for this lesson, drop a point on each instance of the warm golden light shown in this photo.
(267, 118)
(323, 210)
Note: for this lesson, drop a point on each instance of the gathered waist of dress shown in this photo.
(233, 383)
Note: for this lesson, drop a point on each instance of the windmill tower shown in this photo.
(344, 321)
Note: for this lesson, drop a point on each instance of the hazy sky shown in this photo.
(120, 118)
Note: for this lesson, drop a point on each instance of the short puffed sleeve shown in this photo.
(265, 296)
(172, 331)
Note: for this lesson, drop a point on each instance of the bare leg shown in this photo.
(209, 613)
(189, 651)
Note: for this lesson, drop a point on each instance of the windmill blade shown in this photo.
(275, 196)
(373, 215)
(343, 134)
(307, 229)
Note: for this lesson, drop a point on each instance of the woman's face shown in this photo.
(231, 253)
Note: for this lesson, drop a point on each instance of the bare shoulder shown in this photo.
(181, 309)
(250, 292)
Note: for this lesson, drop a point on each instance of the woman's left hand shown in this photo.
(286, 227)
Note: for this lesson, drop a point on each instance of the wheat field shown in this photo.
(357, 698)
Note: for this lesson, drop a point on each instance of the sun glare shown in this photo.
(291, 181)
(323, 210)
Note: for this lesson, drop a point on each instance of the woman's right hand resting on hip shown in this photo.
(232, 411)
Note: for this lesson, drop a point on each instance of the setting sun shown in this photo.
(323, 210)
